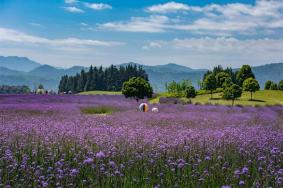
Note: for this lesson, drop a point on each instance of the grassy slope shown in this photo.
(260, 98)
(101, 93)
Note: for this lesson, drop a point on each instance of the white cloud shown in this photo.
(83, 24)
(223, 45)
(152, 45)
(98, 6)
(152, 24)
(219, 20)
(13, 36)
(73, 9)
(71, 1)
(207, 52)
(168, 7)
(36, 24)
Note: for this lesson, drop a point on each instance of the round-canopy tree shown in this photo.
(251, 85)
(232, 92)
(221, 77)
(210, 83)
(280, 85)
(137, 88)
(244, 73)
(267, 85)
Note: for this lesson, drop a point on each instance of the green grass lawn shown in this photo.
(101, 93)
(98, 110)
(260, 98)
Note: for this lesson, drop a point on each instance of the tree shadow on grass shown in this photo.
(257, 100)
(215, 99)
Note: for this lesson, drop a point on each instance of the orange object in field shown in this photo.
(143, 107)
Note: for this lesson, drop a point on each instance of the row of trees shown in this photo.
(181, 89)
(98, 78)
(232, 83)
(5, 89)
(269, 85)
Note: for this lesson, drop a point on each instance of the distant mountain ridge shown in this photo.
(18, 63)
(31, 73)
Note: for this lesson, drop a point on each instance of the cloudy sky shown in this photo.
(195, 33)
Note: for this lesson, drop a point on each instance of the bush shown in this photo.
(190, 92)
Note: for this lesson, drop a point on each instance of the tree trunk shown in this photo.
(210, 94)
(232, 102)
(251, 95)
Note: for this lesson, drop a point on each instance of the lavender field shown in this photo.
(46, 141)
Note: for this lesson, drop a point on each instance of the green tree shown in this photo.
(267, 85)
(232, 92)
(273, 86)
(280, 85)
(178, 89)
(40, 86)
(220, 79)
(210, 83)
(251, 85)
(228, 82)
(190, 92)
(244, 73)
(137, 88)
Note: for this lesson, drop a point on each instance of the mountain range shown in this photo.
(23, 71)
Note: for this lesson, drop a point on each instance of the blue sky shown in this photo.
(195, 33)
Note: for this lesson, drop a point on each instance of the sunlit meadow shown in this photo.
(51, 141)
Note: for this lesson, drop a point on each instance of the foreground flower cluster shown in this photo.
(45, 141)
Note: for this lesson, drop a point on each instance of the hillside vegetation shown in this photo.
(101, 93)
(261, 98)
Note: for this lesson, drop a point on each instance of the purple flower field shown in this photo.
(46, 141)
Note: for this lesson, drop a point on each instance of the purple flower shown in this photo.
(74, 172)
(226, 186)
(237, 172)
(100, 155)
(88, 161)
(245, 170)
(208, 158)
(241, 183)
(112, 164)
(275, 150)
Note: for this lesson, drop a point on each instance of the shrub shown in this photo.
(190, 92)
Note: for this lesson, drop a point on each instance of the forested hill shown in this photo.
(102, 79)
(23, 71)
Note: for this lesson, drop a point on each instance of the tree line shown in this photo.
(99, 78)
(5, 89)
(270, 85)
(230, 83)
